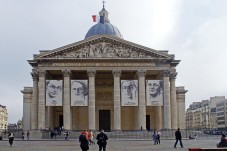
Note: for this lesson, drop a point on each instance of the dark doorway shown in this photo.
(60, 120)
(148, 122)
(104, 120)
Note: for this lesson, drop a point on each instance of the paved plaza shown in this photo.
(113, 145)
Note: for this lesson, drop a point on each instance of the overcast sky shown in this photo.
(194, 30)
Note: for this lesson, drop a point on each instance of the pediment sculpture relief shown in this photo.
(106, 50)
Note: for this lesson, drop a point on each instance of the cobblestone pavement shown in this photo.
(113, 145)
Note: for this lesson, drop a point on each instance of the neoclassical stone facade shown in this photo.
(115, 79)
(103, 61)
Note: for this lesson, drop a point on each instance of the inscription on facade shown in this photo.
(104, 96)
(103, 64)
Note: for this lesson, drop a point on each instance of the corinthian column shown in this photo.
(173, 101)
(166, 105)
(142, 105)
(41, 103)
(117, 104)
(67, 115)
(91, 104)
(34, 111)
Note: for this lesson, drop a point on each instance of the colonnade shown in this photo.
(170, 113)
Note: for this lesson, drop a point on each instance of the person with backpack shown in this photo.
(84, 144)
(102, 140)
(11, 138)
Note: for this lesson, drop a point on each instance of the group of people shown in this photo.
(156, 137)
(23, 133)
(192, 137)
(86, 139)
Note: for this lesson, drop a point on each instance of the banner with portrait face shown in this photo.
(54, 92)
(79, 93)
(129, 92)
(154, 92)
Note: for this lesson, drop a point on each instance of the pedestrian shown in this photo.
(66, 135)
(178, 138)
(158, 136)
(28, 134)
(90, 137)
(154, 136)
(84, 144)
(223, 142)
(22, 135)
(11, 138)
(102, 140)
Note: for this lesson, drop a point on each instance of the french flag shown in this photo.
(95, 18)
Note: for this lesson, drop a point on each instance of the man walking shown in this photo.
(28, 134)
(102, 140)
(11, 138)
(84, 144)
(178, 138)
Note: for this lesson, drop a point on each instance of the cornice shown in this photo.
(99, 39)
(158, 62)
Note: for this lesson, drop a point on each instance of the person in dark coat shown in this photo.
(84, 143)
(223, 142)
(11, 138)
(102, 140)
(178, 138)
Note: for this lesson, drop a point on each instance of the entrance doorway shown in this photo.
(148, 122)
(104, 120)
(60, 121)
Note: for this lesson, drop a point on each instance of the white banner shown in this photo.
(54, 92)
(79, 93)
(129, 92)
(154, 92)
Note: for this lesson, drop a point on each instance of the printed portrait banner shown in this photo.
(129, 92)
(54, 92)
(154, 92)
(79, 92)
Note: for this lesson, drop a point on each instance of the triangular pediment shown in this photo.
(104, 46)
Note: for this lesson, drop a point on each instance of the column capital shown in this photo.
(35, 75)
(173, 75)
(116, 73)
(66, 73)
(141, 73)
(91, 72)
(166, 73)
(42, 73)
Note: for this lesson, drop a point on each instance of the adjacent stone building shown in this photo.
(3, 118)
(102, 83)
(208, 114)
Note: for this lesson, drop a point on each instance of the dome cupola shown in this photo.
(103, 27)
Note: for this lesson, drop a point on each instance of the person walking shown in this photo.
(154, 136)
(28, 134)
(90, 137)
(84, 144)
(11, 138)
(22, 135)
(102, 140)
(178, 138)
(158, 136)
(66, 135)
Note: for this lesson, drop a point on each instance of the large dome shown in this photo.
(106, 28)
(103, 27)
